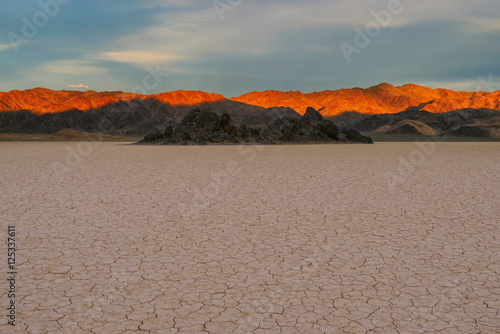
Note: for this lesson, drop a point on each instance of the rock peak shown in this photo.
(312, 116)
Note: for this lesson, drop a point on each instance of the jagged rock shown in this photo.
(309, 128)
(168, 131)
(249, 134)
(355, 136)
(153, 137)
(203, 126)
(225, 121)
(312, 116)
(330, 129)
(268, 141)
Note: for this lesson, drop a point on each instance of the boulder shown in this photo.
(312, 116)
(354, 136)
(330, 129)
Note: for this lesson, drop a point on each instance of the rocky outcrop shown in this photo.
(202, 127)
(310, 128)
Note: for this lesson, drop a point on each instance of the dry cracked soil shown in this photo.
(383, 238)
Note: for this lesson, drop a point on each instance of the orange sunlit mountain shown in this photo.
(383, 98)
(42, 101)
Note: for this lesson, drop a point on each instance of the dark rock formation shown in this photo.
(470, 131)
(204, 126)
(354, 136)
(310, 128)
(312, 116)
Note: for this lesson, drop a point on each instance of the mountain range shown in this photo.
(45, 101)
(383, 98)
(380, 99)
(42, 110)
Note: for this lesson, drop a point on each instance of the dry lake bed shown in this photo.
(119, 238)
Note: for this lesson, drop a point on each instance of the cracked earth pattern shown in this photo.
(279, 239)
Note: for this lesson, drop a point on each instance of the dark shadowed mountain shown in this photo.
(135, 117)
(415, 120)
(377, 108)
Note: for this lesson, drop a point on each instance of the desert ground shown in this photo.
(351, 238)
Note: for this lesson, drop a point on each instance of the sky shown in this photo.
(232, 47)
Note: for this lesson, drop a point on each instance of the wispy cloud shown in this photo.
(484, 25)
(275, 44)
(5, 47)
(136, 57)
(78, 86)
(459, 85)
(174, 3)
(80, 67)
(255, 29)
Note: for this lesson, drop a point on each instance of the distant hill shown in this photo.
(137, 117)
(46, 111)
(44, 101)
(380, 99)
(418, 121)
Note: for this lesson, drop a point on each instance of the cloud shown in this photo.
(135, 57)
(80, 67)
(275, 44)
(481, 83)
(173, 3)
(5, 47)
(247, 29)
(484, 25)
(78, 86)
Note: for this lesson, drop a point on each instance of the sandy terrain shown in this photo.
(383, 238)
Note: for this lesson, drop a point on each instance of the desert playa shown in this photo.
(351, 238)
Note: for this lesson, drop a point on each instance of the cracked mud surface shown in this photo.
(284, 239)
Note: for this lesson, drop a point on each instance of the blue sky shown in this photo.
(236, 46)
